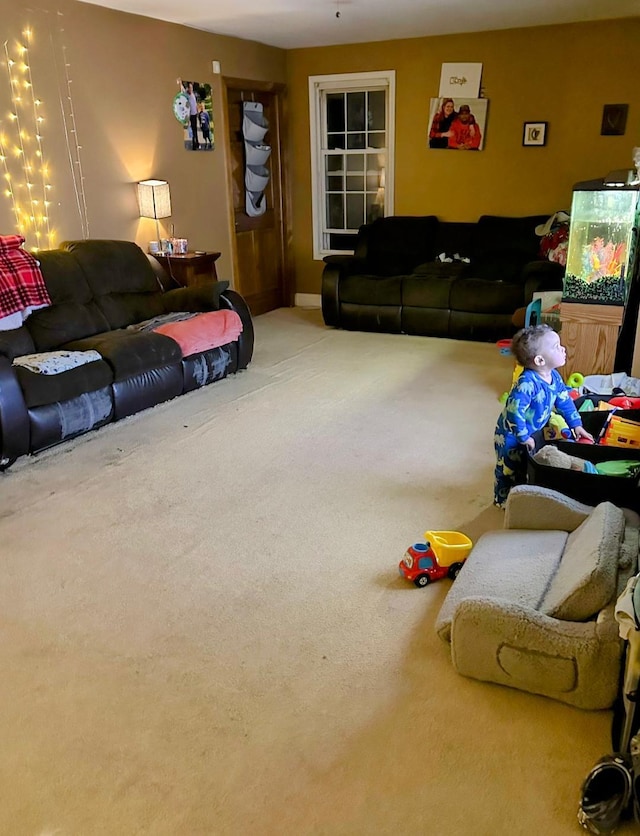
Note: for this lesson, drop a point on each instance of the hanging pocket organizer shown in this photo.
(256, 175)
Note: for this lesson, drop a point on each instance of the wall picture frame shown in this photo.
(534, 133)
(614, 119)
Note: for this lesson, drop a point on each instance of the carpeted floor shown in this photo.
(204, 630)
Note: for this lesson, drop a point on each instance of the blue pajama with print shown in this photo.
(527, 410)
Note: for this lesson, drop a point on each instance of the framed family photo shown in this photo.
(457, 123)
(534, 133)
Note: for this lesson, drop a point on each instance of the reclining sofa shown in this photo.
(533, 607)
(395, 281)
(115, 340)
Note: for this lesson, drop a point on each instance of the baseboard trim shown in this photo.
(308, 300)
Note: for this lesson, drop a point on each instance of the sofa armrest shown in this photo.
(541, 275)
(330, 295)
(196, 298)
(575, 662)
(231, 300)
(14, 419)
(540, 509)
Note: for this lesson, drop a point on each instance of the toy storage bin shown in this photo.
(590, 488)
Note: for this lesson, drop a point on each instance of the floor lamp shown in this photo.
(154, 200)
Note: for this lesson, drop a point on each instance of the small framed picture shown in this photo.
(534, 133)
(614, 119)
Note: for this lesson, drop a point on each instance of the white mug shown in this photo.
(154, 247)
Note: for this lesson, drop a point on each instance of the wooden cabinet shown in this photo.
(190, 268)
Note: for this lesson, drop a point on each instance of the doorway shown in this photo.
(261, 258)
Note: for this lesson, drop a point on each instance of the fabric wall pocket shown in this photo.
(256, 153)
(256, 174)
(255, 204)
(256, 178)
(254, 123)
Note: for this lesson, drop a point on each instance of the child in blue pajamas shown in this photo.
(537, 391)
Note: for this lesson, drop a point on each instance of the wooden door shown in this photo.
(261, 257)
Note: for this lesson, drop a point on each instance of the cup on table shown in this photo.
(154, 247)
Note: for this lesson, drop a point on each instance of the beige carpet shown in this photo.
(204, 630)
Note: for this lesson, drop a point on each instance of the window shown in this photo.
(352, 131)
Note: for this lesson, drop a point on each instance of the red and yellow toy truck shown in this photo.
(441, 556)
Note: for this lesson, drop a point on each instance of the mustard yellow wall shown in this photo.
(114, 75)
(559, 74)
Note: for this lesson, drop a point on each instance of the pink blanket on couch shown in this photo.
(203, 331)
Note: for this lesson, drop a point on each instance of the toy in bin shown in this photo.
(441, 556)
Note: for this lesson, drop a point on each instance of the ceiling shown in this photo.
(291, 24)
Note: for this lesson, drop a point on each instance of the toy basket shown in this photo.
(449, 546)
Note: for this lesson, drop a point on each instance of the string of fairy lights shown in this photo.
(24, 167)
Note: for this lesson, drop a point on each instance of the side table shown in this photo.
(190, 268)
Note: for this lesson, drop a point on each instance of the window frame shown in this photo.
(319, 85)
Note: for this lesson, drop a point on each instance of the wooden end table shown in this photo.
(190, 268)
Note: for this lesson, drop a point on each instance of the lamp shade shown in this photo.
(154, 199)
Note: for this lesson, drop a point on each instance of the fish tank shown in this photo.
(602, 242)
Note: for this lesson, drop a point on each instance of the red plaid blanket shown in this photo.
(21, 284)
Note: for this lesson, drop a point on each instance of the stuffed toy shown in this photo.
(553, 457)
(554, 235)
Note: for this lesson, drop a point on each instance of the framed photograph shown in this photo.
(457, 124)
(614, 119)
(192, 107)
(534, 133)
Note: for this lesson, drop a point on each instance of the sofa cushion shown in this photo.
(15, 342)
(508, 236)
(586, 578)
(456, 238)
(371, 290)
(53, 327)
(427, 292)
(122, 309)
(512, 566)
(129, 353)
(113, 266)
(41, 389)
(396, 244)
(476, 295)
(73, 313)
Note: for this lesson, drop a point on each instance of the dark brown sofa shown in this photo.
(395, 282)
(100, 291)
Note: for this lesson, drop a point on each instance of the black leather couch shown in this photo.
(98, 289)
(395, 283)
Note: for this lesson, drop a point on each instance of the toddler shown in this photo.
(529, 405)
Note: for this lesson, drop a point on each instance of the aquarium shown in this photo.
(602, 243)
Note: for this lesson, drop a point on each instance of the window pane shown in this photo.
(377, 140)
(355, 211)
(335, 141)
(335, 184)
(355, 140)
(355, 183)
(335, 211)
(355, 163)
(356, 111)
(335, 162)
(375, 208)
(376, 111)
(335, 112)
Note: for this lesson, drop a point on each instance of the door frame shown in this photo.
(285, 233)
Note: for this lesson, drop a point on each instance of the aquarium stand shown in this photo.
(590, 335)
